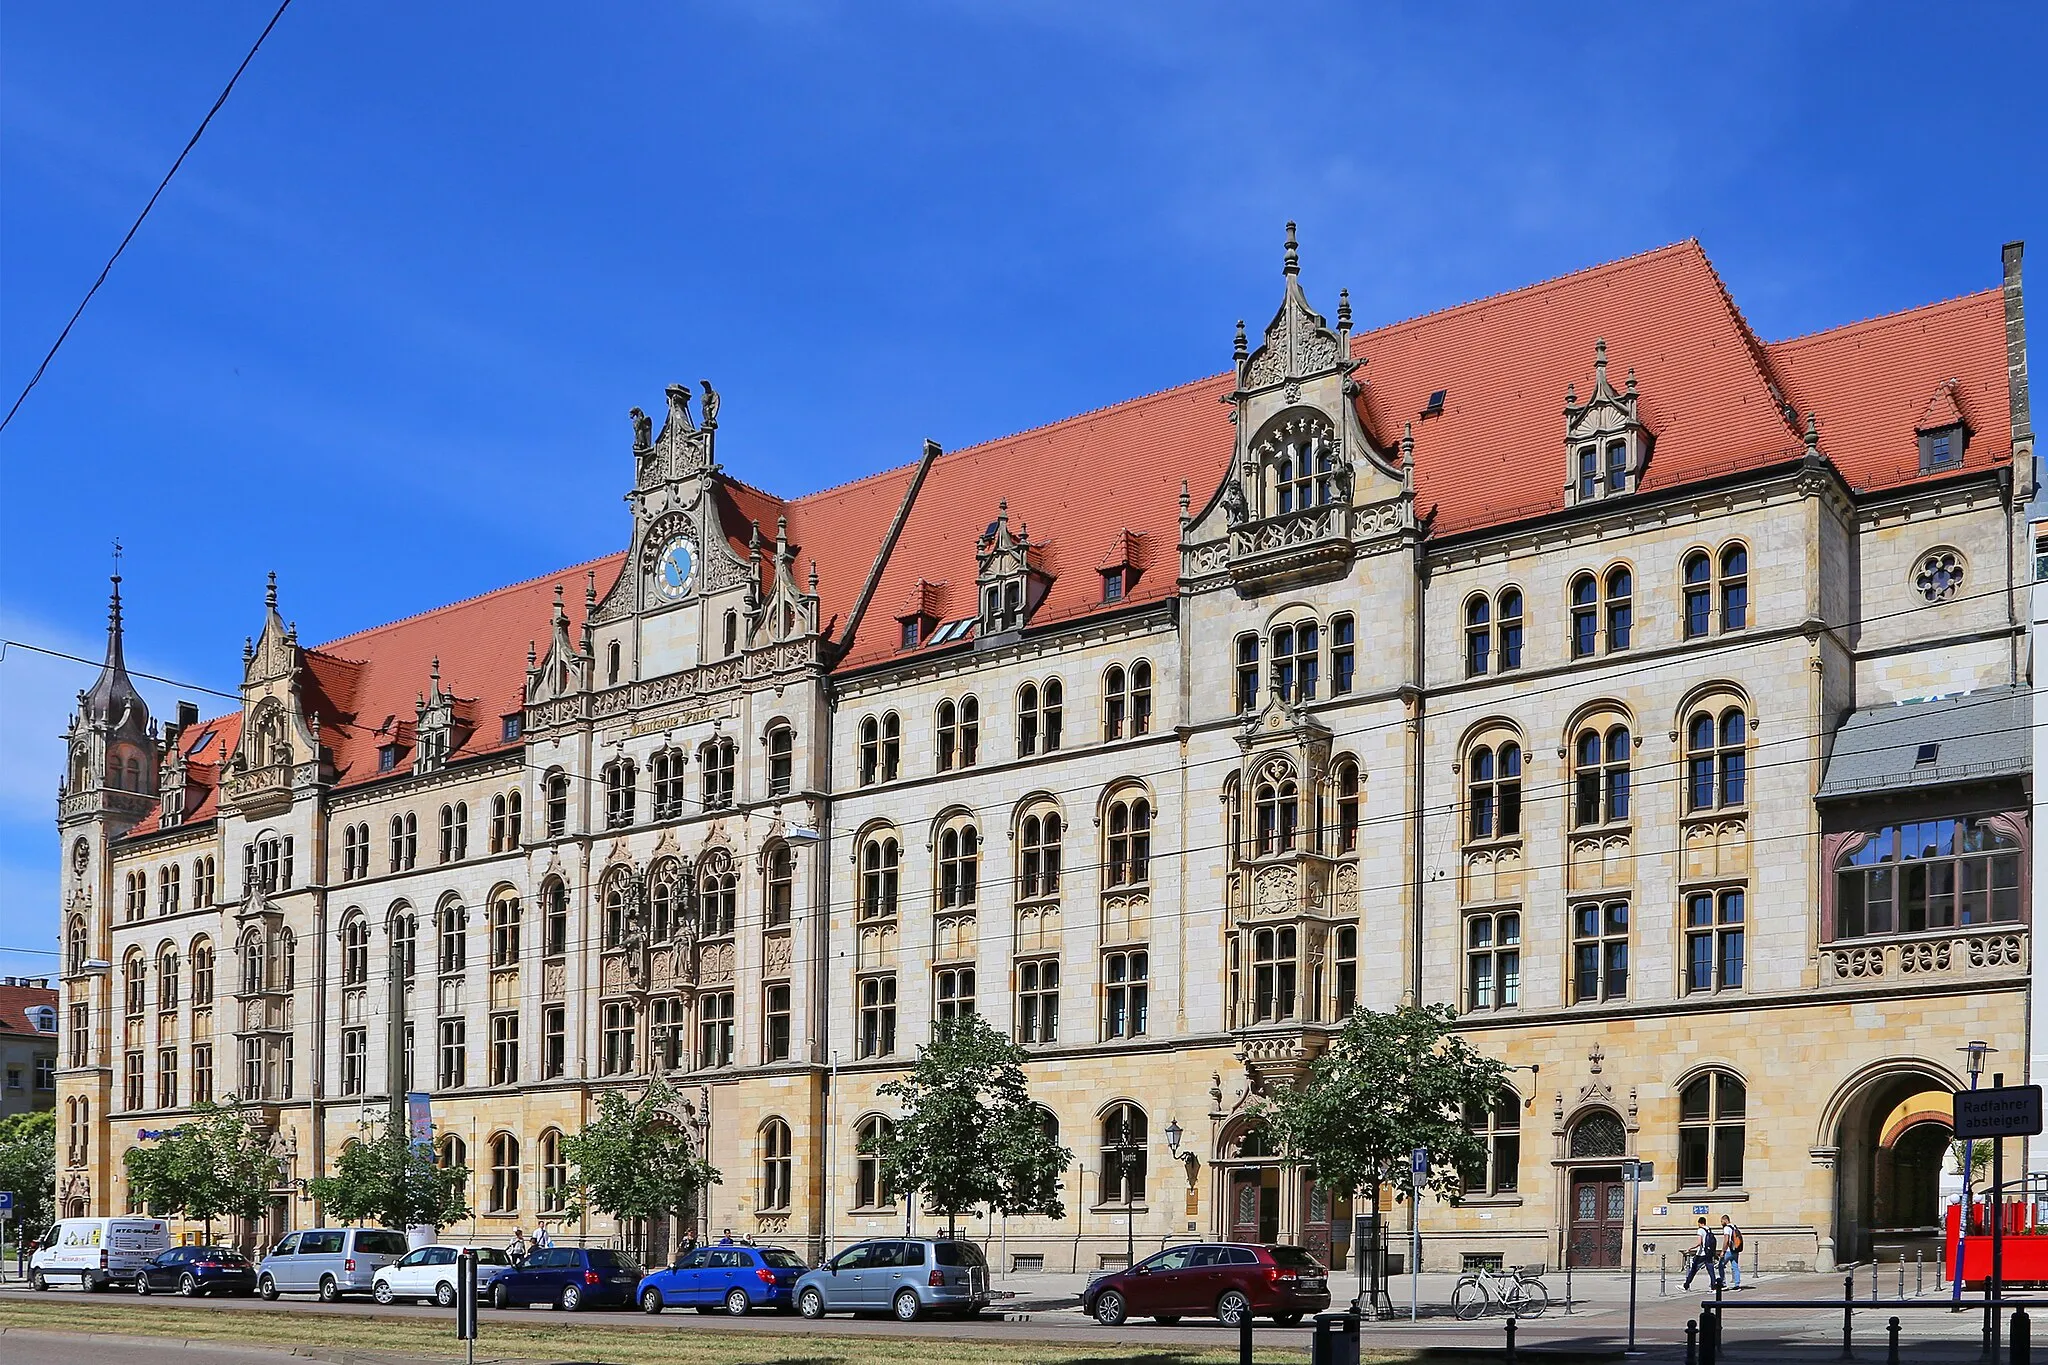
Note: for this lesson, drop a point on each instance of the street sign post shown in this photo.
(1418, 1169)
(2002, 1111)
(465, 1302)
(1635, 1173)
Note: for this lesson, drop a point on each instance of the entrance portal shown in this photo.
(1255, 1204)
(1599, 1220)
(1891, 1134)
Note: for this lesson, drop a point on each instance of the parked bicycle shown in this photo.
(1518, 1290)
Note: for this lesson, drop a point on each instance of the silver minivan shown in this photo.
(907, 1277)
(329, 1262)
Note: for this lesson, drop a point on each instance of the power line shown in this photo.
(164, 184)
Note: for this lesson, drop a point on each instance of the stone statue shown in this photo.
(678, 410)
(643, 430)
(710, 404)
(1235, 512)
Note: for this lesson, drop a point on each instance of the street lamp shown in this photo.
(1173, 1139)
(1974, 1052)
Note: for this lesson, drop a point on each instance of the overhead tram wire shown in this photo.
(162, 185)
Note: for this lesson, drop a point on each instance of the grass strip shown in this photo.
(593, 1343)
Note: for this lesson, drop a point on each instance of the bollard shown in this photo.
(1244, 1337)
(1663, 1274)
(1892, 1351)
(1511, 1341)
(2022, 1338)
(1692, 1341)
(1919, 1274)
(1710, 1335)
(1873, 1277)
(1848, 1315)
(1567, 1286)
(1902, 1274)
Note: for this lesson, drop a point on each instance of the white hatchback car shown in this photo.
(429, 1273)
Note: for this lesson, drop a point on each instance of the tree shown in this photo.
(970, 1132)
(216, 1164)
(1385, 1086)
(388, 1179)
(28, 1166)
(634, 1160)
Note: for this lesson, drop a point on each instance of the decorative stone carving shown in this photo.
(715, 963)
(775, 950)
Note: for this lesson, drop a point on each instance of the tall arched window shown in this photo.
(1125, 1133)
(1038, 862)
(1734, 586)
(557, 787)
(355, 950)
(880, 859)
(1585, 616)
(1114, 703)
(202, 972)
(1141, 697)
(504, 1197)
(554, 1173)
(1710, 1131)
(1478, 636)
(75, 946)
(616, 887)
(1699, 595)
(505, 926)
(1348, 804)
(620, 792)
(959, 733)
(452, 1153)
(455, 832)
(454, 947)
(872, 1189)
(1276, 809)
(781, 760)
(1716, 759)
(167, 978)
(718, 894)
(1621, 610)
(1296, 660)
(959, 864)
(1510, 614)
(1494, 791)
(1600, 784)
(715, 764)
(1127, 840)
(404, 938)
(775, 1166)
(779, 883)
(253, 972)
(554, 932)
(1247, 691)
(405, 845)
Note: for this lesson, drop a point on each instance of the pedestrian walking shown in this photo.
(542, 1238)
(517, 1249)
(1731, 1253)
(1703, 1256)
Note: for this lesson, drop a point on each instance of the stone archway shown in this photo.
(1887, 1130)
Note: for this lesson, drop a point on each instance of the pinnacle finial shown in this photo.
(754, 540)
(1344, 310)
(532, 654)
(1599, 362)
(1184, 500)
(1629, 384)
(434, 671)
(1571, 395)
(1292, 262)
(270, 591)
(814, 578)
(1239, 349)
(1813, 431)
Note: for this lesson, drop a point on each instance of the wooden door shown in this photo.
(1315, 1220)
(1599, 1220)
(1245, 1191)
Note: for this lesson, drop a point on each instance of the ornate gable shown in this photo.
(1606, 444)
(1009, 575)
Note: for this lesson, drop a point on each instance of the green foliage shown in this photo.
(1386, 1085)
(634, 1160)
(388, 1180)
(28, 1166)
(971, 1133)
(217, 1164)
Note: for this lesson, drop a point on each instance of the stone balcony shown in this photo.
(1986, 951)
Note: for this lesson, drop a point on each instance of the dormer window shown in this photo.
(1941, 430)
(1009, 576)
(1608, 445)
(1941, 449)
(387, 758)
(1113, 585)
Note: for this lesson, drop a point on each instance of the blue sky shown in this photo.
(382, 332)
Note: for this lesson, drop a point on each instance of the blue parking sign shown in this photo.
(1418, 1161)
(6, 1201)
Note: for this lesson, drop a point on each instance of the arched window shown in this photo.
(665, 893)
(1734, 586)
(504, 1197)
(1124, 1136)
(352, 851)
(454, 948)
(505, 926)
(959, 864)
(612, 659)
(1498, 1127)
(167, 888)
(554, 932)
(1598, 1134)
(75, 946)
(1478, 636)
(872, 1189)
(870, 751)
(732, 632)
(1494, 791)
(405, 929)
(1304, 468)
(775, 1166)
(781, 760)
(616, 887)
(1038, 862)
(880, 858)
(1716, 759)
(1710, 1129)
(554, 1173)
(1127, 840)
(715, 761)
(202, 973)
(1621, 611)
(452, 1153)
(557, 788)
(1141, 697)
(167, 978)
(1247, 674)
(1585, 616)
(1348, 805)
(355, 950)
(1276, 809)
(253, 972)
(1275, 970)
(455, 832)
(666, 769)
(892, 746)
(1600, 783)
(779, 883)
(1699, 595)
(1296, 661)
(1510, 628)
(718, 894)
(1493, 960)
(1114, 703)
(620, 792)
(959, 733)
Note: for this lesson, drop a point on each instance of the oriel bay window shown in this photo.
(1929, 874)
(1600, 933)
(1710, 1132)
(1493, 960)
(1276, 808)
(1275, 967)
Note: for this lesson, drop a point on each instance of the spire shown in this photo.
(1343, 310)
(112, 697)
(1291, 264)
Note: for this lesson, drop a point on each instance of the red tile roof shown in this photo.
(1105, 485)
(1870, 384)
(17, 1001)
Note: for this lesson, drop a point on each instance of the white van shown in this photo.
(97, 1252)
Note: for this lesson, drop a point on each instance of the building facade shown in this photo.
(1655, 695)
(28, 1045)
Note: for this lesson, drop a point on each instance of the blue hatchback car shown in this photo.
(571, 1277)
(735, 1278)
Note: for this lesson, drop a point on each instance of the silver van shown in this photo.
(329, 1262)
(907, 1277)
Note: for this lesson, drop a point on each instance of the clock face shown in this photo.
(673, 572)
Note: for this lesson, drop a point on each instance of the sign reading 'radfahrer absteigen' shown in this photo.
(2007, 1111)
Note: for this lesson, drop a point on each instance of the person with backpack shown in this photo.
(1703, 1256)
(1731, 1252)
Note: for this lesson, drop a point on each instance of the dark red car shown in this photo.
(1211, 1279)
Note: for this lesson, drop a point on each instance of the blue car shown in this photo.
(571, 1277)
(736, 1278)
